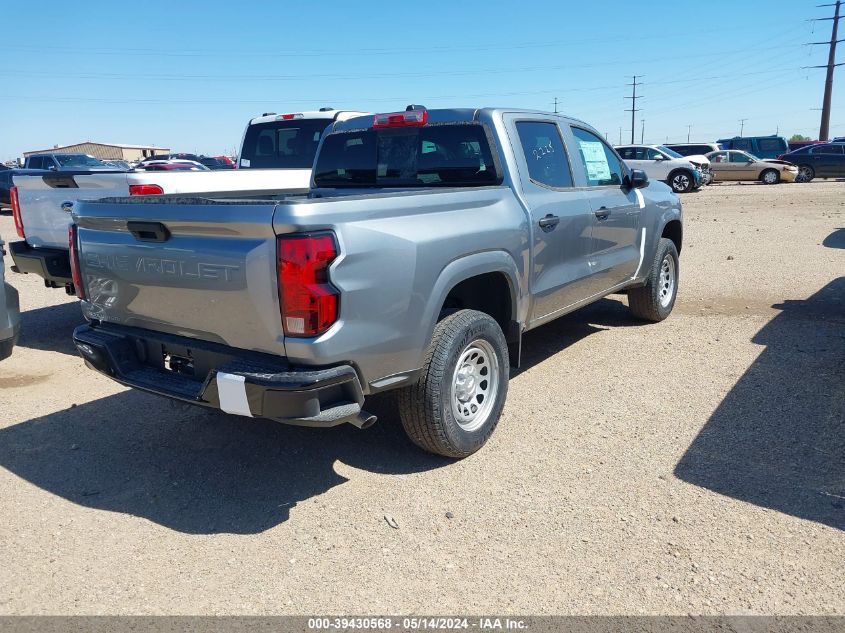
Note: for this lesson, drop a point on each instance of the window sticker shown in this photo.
(244, 162)
(595, 159)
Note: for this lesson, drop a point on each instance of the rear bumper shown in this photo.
(221, 377)
(53, 264)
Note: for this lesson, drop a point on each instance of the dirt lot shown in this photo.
(693, 466)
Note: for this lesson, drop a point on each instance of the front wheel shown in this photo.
(681, 181)
(454, 407)
(654, 301)
(770, 177)
(805, 173)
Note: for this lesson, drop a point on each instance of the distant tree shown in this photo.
(799, 137)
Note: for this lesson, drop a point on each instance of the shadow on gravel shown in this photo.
(197, 471)
(835, 239)
(51, 328)
(203, 472)
(778, 439)
(549, 339)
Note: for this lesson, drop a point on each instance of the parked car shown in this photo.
(736, 165)
(681, 173)
(433, 239)
(760, 146)
(793, 145)
(41, 203)
(10, 314)
(122, 165)
(66, 162)
(6, 177)
(826, 160)
(215, 162)
(227, 160)
(693, 149)
(838, 139)
(172, 164)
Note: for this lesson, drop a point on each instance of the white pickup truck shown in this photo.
(277, 152)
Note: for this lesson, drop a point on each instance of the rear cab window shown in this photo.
(772, 145)
(282, 144)
(456, 154)
(603, 167)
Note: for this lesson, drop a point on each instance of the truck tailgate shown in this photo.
(41, 199)
(192, 267)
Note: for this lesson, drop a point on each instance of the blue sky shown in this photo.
(188, 74)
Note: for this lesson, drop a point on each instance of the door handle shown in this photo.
(549, 222)
(602, 213)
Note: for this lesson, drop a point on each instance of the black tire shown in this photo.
(805, 173)
(426, 409)
(766, 180)
(646, 302)
(681, 181)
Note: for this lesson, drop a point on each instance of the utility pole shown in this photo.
(633, 99)
(642, 132)
(689, 129)
(555, 105)
(824, 128)
(742, 126)
(620, 135)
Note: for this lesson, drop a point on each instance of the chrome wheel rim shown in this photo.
(667, 281)
(804, 174)
(475, 385)
(680, 182)
(770, 177)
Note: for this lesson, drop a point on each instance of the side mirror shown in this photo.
(660, 157)
(638, 179)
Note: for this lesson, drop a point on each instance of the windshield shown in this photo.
(451, 155)
(670, 152)
(78, 160)
(282, 144)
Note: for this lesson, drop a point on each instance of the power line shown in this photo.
(634, 108)
(824, 126)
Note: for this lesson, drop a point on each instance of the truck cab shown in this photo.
(67, 162)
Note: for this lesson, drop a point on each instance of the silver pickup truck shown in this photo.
(431, 241)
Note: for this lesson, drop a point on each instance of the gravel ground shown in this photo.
(692, 466)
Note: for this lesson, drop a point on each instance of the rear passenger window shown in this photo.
(742, 144)
(771, 145)
(601, 163)
(544, 153)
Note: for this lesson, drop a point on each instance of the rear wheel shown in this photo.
(805, 173)
(681, 181)
(770, 177)
(654, 301)
(456, 404)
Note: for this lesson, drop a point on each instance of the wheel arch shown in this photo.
(488, 282)
(674, 230)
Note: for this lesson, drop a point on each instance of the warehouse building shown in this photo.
(107, 151)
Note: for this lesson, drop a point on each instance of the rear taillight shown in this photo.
(781, 157)
(16, 211)
(307, 300)
(75, 270)
(145, 190)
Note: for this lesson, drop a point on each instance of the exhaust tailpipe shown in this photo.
(363, 420)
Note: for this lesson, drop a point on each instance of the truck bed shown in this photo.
(45, 200)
